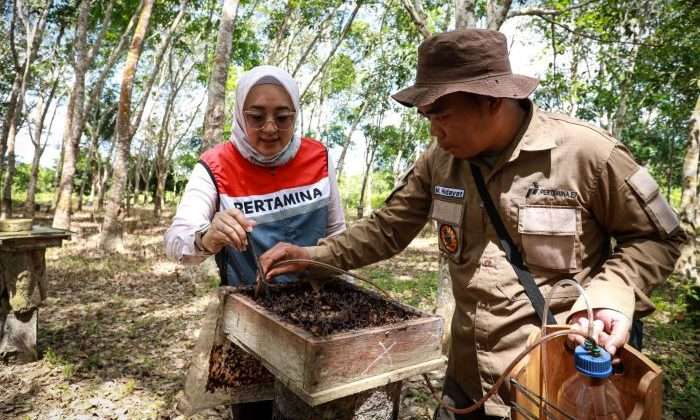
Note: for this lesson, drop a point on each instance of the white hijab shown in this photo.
(257, 76)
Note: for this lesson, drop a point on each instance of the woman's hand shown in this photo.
(229, 227)
(281, 252)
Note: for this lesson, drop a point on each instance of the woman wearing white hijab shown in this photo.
(266, 185)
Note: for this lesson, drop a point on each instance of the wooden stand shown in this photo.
(380, 403)
(22, 289)
(640, 384)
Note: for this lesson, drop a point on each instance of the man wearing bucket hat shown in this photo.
(515, 192)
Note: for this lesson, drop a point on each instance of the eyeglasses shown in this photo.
(257, 120)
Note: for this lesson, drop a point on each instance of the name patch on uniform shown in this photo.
(535, 189)
(449, 192)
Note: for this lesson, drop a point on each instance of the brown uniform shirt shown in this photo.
(563, 189)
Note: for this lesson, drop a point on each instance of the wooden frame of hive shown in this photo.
(322, 369)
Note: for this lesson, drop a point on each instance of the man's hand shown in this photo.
(229, 227)
(610, 328)
(281, 252)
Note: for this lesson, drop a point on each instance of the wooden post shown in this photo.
(381, 403)
(22, 290)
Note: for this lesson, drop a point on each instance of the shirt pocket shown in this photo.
(550, 237)
(448, 215)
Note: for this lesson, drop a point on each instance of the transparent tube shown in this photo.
(543, 331)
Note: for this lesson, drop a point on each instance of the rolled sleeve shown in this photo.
(645, 252)
(194, 213)
(388, 230)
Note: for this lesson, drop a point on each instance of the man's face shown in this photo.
(461, 123)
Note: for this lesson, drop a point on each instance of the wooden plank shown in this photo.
(280, 349)
(36, 232)
(321, 397)
(15, 225)
(349, 357)
(27, 244)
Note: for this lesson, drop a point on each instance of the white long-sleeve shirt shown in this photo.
(198, 206)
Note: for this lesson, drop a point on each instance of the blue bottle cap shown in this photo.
(598, 367)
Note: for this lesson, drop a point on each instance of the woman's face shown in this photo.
(269, 115)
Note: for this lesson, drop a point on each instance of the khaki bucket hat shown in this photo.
(471, 60)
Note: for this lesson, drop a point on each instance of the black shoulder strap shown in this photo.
(514, 257)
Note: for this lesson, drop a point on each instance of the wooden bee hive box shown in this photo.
(16, 225)
(329, 363)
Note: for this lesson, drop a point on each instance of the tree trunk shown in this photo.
(9, 176)
(106, 174)
(146, 188)
(342, 36)
(369, 159)
(74, 122)
(10, 118)
(34, 36)
(137, 179)
(161, 49)
(496, 12)
(348, 140)
(59, 164)
(81, 192)
(279, 36)
(687, 264)
(312, 44)
(381, 403)
(159, 197)
(216, 91)
(31, 189)
(42, 110)
(127, 193)
(105, 170)
(110, 237)
(416, 12)
(465, 14)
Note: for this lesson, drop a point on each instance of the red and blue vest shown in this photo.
(289, 203)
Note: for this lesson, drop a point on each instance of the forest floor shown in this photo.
(117, 331)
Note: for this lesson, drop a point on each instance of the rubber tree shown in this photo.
(215, 114)
(83, 56)
(34, 32)
(110, 237)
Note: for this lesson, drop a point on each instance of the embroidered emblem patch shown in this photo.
(448, 237)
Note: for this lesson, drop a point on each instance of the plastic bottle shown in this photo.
(590, 394)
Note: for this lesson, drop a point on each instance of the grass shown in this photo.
(672, 335)
(68, 369)
(418, 291)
